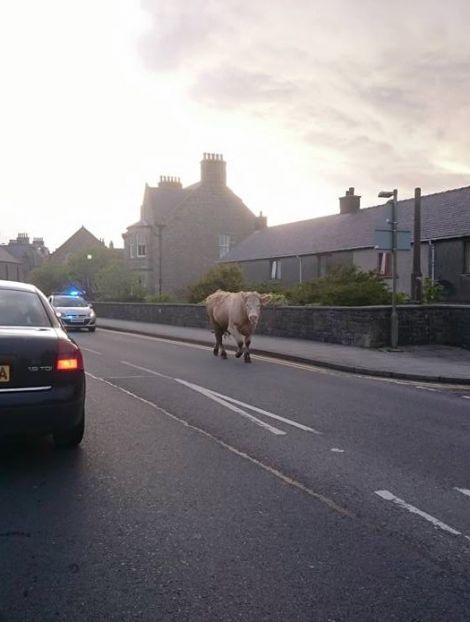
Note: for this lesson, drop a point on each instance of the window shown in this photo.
(384, 265)
(19, 308)
(131, 247)
(224, 244)
(275, 269)
(466, 256)
(141, 246)
(323, 265)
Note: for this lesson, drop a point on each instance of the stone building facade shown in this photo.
(80, 242)
(30, 254)
(182, 232)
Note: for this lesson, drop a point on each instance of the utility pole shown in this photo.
(416, 275)
(160, 259)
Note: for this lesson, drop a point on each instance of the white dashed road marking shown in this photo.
(464, 491)
(388, 496)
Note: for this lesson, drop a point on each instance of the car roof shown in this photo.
(25, 287)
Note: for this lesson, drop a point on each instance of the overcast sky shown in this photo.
(304, 99)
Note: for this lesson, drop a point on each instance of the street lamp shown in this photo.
(88, 275)
(393, 194)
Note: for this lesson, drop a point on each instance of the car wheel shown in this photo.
(72, 437)
(92, 329)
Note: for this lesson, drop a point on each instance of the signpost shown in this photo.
(393, 239)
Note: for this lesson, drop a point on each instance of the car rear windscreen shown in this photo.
(19, 308)
(68, 301)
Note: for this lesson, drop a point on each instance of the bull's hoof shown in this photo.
(247, 358)
(215, 351)
(223, 355)
(238, 354)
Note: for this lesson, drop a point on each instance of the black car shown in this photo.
(42, 380)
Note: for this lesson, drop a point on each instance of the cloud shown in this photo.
(232, 86)
(371, 90)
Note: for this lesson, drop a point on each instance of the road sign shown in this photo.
(383, 239)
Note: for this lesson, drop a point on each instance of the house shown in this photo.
(30, 254)
(182, 232)
(305, 250)
(11, 268)
(81, 241)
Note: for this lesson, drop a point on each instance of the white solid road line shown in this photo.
(464, 491)
(388, 496)
(150, 371)
(225, 399)
(305, 428)
(90, 350)
(208, 393)
(241, 454)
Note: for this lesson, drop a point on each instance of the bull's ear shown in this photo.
(266, 298)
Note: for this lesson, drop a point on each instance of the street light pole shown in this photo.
(394, 316)
(393, 222)
(160, 259)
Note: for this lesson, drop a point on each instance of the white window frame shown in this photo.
(132, 246)
(140, 243)
(384, 260)
(275, 270)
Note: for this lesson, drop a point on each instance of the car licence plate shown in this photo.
(4, 373)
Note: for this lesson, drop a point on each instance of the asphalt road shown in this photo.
(215, 490)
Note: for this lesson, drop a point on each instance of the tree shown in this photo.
(228, 277)
(50, 277)
(116, 282)
(84, 266)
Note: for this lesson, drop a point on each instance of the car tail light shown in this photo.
(69, 357)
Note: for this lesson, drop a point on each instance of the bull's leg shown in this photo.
(238, 339)
(247, 356)
(218, 342)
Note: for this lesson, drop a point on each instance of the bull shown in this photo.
(236, 313)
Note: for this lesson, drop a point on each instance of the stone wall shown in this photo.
(367, 327)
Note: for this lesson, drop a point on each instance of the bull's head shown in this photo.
(253, 303)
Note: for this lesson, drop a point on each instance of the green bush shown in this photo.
(228, 277)
(343, 286)
(432, 291)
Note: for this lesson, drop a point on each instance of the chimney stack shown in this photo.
(261, 222)
(213, 169)
(350, 203)
(169, 183)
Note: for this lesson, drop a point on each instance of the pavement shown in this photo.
(428, 363)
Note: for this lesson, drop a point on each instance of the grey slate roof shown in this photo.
(161, 205)
(443, 215)
(6, 257)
